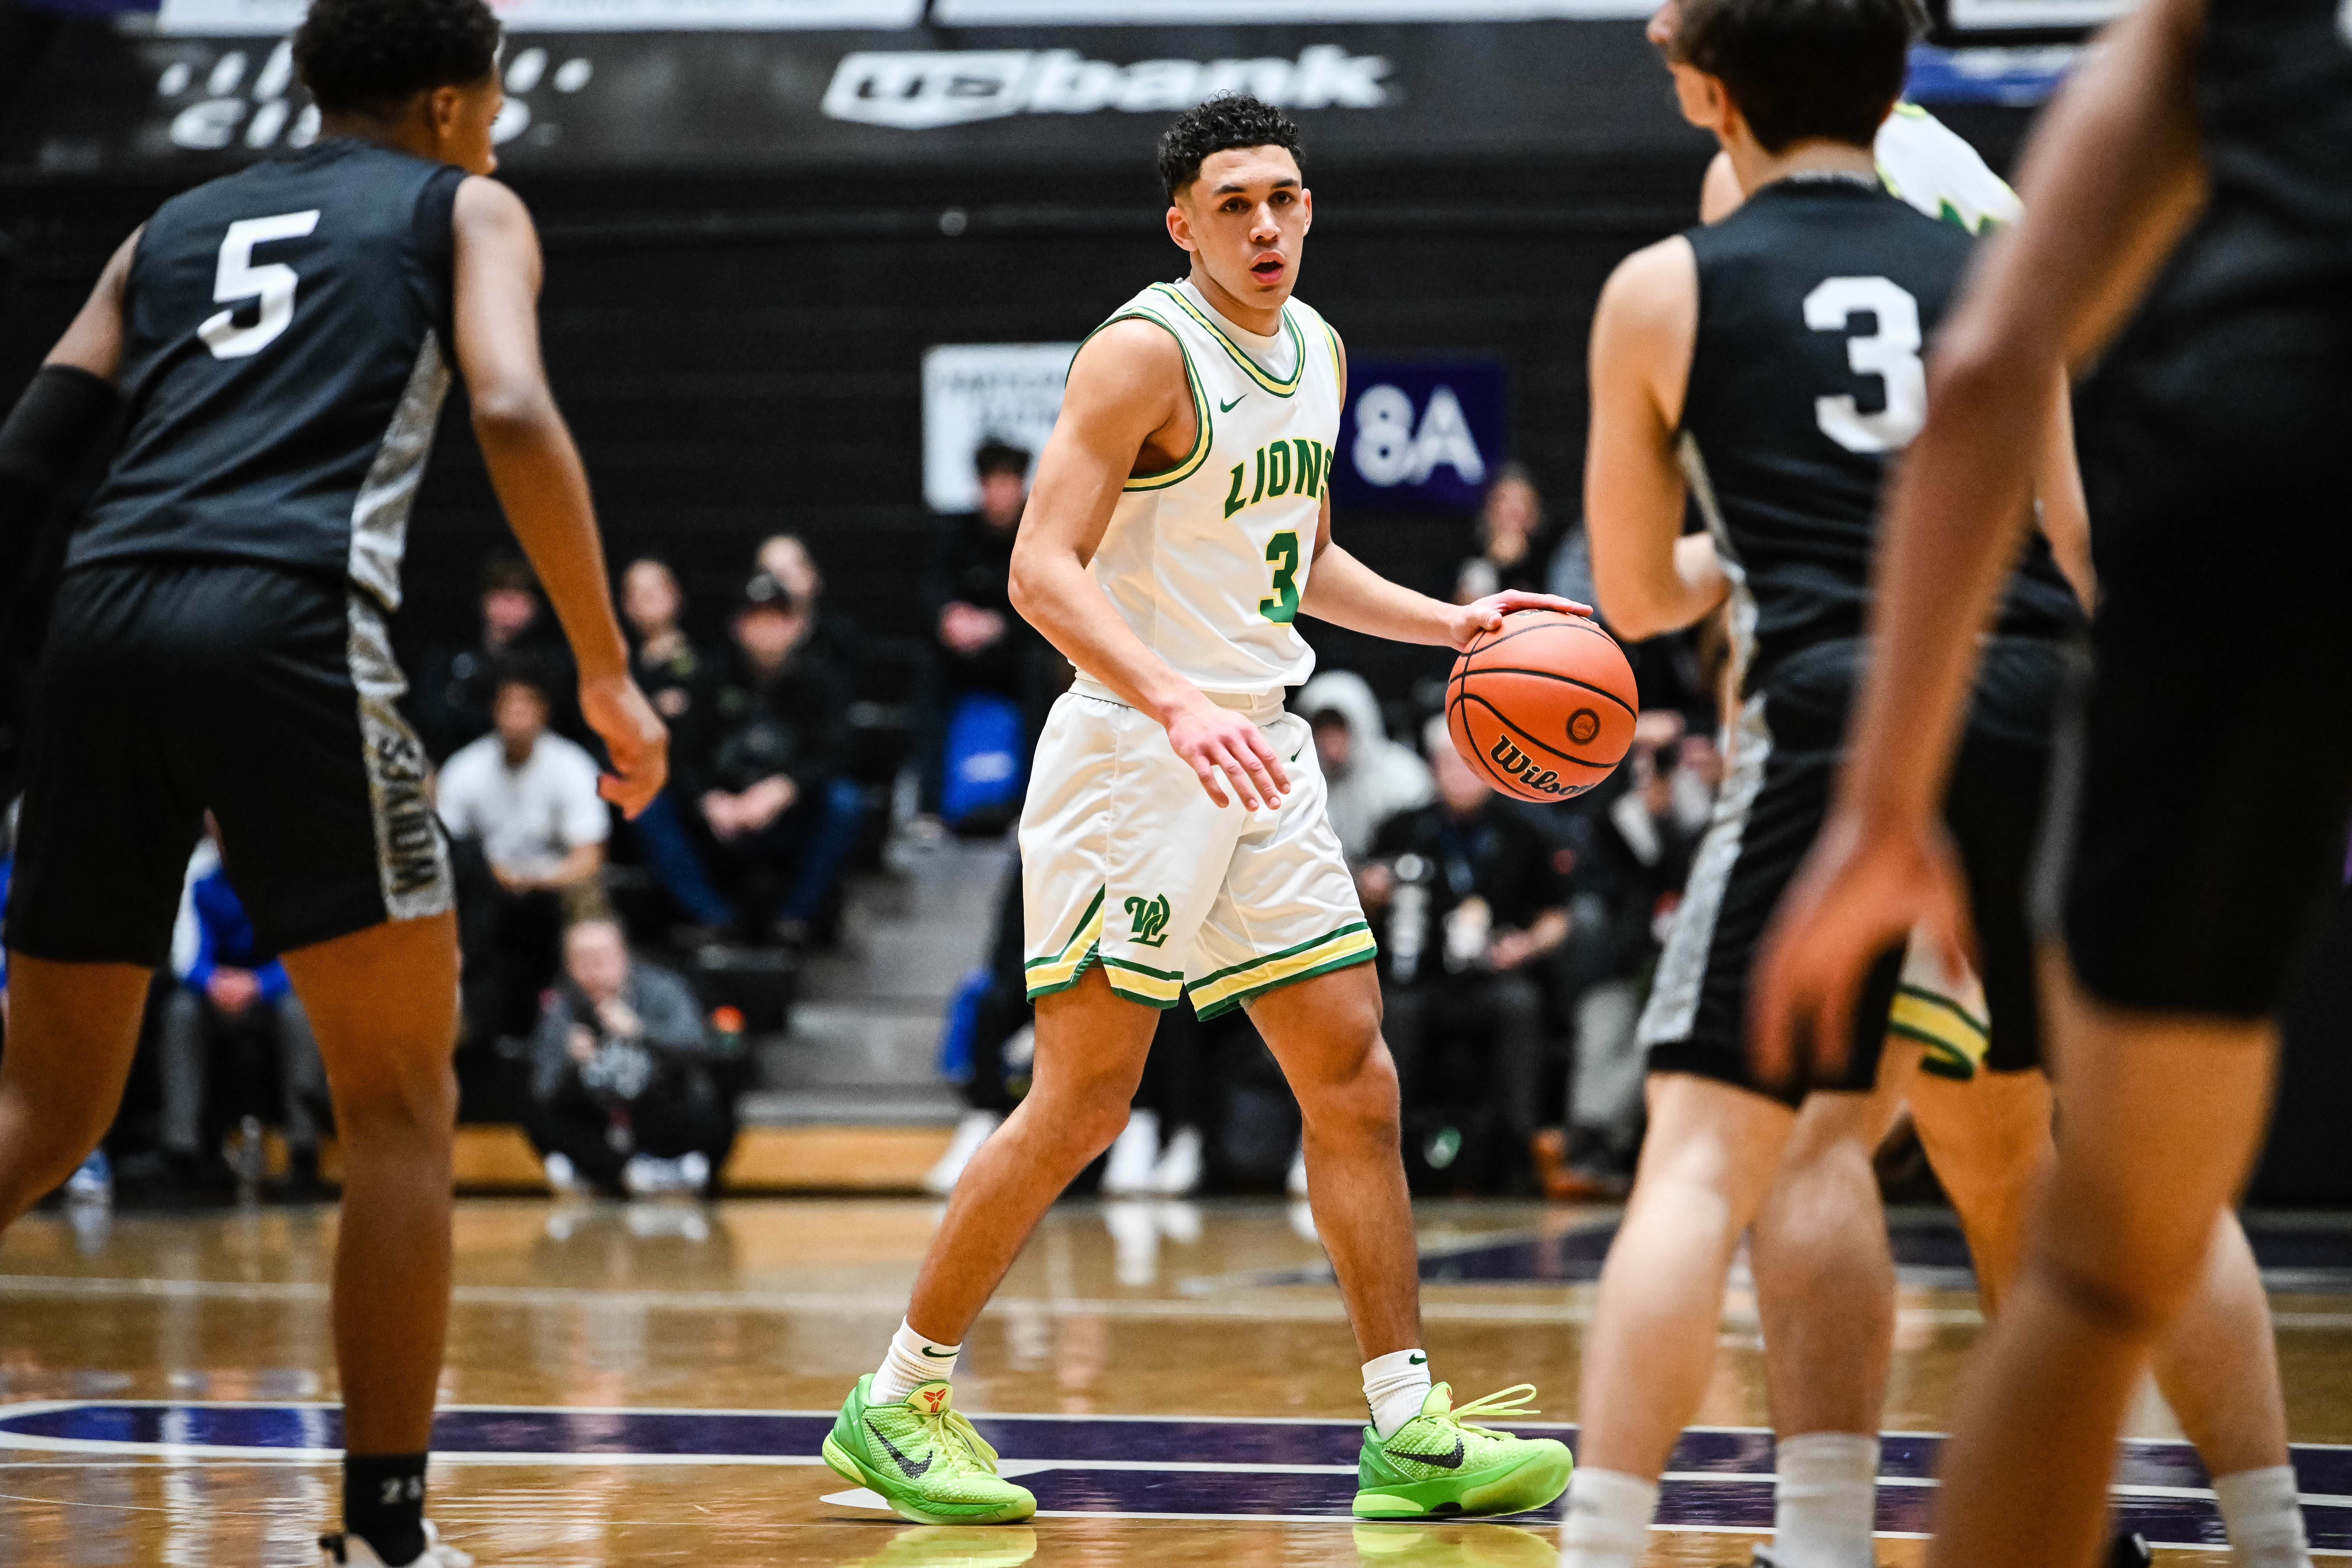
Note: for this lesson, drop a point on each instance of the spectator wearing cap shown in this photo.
(835, 632)
(979, 644)
(1367, 777)
(779, 817)
(529, 827)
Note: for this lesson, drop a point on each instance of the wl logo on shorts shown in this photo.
(1150, 920)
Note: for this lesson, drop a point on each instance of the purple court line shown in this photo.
(1127, 1466)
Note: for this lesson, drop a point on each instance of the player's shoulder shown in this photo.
(1142, 338)
(1657, 277)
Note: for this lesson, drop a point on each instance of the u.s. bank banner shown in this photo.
(784, 85)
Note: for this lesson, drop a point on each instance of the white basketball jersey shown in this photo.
(1922, 161)
(1207, 560)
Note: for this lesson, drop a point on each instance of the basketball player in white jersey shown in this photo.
(1986, 1126)
(1175, 835)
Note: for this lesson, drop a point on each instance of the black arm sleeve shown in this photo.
(54, 426)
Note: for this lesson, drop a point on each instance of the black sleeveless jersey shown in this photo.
(2212, 431)
(1816, 299)
(287, 349)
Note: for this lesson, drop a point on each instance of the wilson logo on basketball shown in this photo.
(1525, 769)
(1583, 725)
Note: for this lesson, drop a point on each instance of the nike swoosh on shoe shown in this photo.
(914, 1471)
(1451, 1461)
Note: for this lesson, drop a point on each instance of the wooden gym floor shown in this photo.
(648, 1385)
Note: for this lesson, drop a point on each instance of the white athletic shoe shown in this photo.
(1179, 1174)
(1296, 1184)
(564, 1176)
(342, 1551)
(970, 1134)
(1133, 1157)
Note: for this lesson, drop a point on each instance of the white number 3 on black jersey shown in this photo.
(1891, 353)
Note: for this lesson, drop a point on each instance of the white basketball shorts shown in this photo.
(1126, 862)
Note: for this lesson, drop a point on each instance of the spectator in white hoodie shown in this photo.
(1370, 778)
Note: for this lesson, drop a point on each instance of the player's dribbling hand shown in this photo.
(635, 737)
(1866, 886)
(1482, 615)
(1223, 747)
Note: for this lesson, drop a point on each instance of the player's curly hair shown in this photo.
(1802, 69)
(1228, 120)
(369, 57)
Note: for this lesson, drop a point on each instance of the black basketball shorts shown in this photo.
(268, 698)
(1786, 747)
(2203, 790)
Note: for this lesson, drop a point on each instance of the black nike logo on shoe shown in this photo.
(1451, 1461)
(914, 1471)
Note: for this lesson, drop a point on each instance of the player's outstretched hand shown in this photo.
(635, 737)
(1223, 747)
(1866, 886)
(1481, 615)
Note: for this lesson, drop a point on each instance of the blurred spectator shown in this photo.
(981, 647)
(1370, 778)
(784, 557)
(1515, 541)
(456, 686)
(988, 1041)
(1471, 895)
(681, 681)
(232, 994)
(530, 831)
(1643, 844)
(624, 1091)
(781, 817)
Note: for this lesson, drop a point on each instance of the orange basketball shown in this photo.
(1544, 709)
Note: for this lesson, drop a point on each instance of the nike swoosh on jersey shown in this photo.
(1451, 1461)
(1229, 408)
(914, 1471)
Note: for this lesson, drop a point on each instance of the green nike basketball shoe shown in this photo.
(1443, 1464)
(923, 1457)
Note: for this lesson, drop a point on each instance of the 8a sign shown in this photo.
(1419, 434)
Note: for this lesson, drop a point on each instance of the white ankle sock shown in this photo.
(1394, 1387)
(1609, 1515)
(912, 1361)
(2265, 1523)
(1826, 1500)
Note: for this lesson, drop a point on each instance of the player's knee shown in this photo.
(2133, 1275)
(1362, 1102)
(417, 1105)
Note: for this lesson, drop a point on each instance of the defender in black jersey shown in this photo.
(2202, 163)
(1767, 370)
(279, 342)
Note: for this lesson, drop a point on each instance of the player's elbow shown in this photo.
(1633, 611)
(511, 411)
(1024, 587)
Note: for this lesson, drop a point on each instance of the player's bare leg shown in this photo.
(1706, 1168)
(1421, 1456)
(1990, 1143)
(1091, 1045)
(1824, 1274)
(1326, 1034)
(384, 1005)
(73, 1029)
(2164, 1117)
